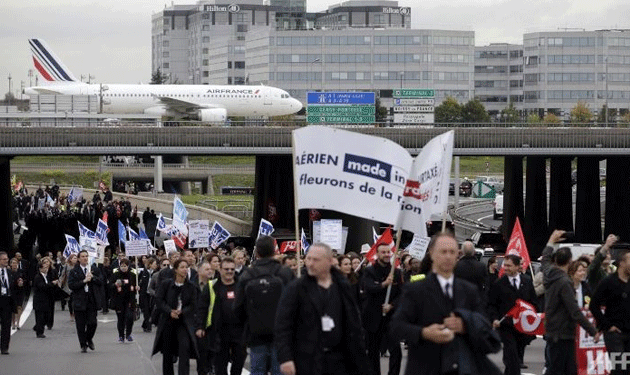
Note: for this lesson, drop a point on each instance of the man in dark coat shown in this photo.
(430, 319)
(43, 297)
(469, 268)
(7, 303)
(318, 327)
(502, 297)
(377, 314)
(85, 283)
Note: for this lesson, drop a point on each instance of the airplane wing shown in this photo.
(183, 106)
(44, 91)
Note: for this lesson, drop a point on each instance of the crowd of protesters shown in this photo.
(321, 313)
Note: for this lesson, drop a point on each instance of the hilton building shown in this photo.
(355, 45)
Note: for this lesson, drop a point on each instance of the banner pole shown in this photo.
(295, 205)
(393, 268)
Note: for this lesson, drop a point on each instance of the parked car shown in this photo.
(489, 240)
(498, 207)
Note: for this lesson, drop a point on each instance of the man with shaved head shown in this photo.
(470, 269)
(318, 327)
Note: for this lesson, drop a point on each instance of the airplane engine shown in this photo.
(159, 111)
(212, 115)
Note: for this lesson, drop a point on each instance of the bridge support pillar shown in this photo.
(588, 224)
(274, 192)
(207, 186)
(157, 174)
(535, 223)
(184, 186)
(560, 195)
(512, 193)
(6, 215)
(617, 198)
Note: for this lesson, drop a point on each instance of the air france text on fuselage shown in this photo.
(230, 91)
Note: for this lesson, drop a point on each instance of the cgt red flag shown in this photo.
(385, 239)
(526, 319)
(288, 246)
(517, 246)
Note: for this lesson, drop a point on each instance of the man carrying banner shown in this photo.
(561, 309)
(501, 298)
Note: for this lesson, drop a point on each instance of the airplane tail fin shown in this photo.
(48, 64)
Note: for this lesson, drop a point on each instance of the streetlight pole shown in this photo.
(9, 97)
(606, 99)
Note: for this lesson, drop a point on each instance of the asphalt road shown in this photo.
(59, 353)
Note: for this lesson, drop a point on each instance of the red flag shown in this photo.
(526, 319)
(385, 239)
(517, 246)
(105, 215)
(288, 246)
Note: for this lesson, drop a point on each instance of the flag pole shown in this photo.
(393, 264)
(296, 209)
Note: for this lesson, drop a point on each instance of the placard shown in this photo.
(418, 246)
(169, 246)
(137, 248)
(331, 233)
(198, 232)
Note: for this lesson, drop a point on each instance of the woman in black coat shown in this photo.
(43, 297)
(18, 296)
(176, 300)
(123, 299)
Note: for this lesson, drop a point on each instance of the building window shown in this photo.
(205, 74)
(205, 27)
(379, 19)
(241, 28)
(165, 43)
(165, 54)
(204, 63)
(165, 65)
(205, 39)
(239, 64)
(205, 16)
(229, 65)
(204, 51)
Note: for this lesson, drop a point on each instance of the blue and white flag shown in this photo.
(72, 246)
(75, 195)
(101, 232)
(85, 232)
(179, 216)
(161, 224)
(133, 236)
(218, 235)
(304, 243)
(265, 228)
(50, 201)
(143, 235)
(122, 232)
(374, 235)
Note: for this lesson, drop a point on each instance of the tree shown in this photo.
(612, 115)
(533, 119)
(9, 98)
(474, 111)
(510, 115)
(157, 78)
(449, 111)
(381, 112)
(580, 114)
(550, 118)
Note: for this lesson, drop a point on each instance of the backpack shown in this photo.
(262, 294)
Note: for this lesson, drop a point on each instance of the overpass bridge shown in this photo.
(525, 148)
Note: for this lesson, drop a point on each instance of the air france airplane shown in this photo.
(210, 103)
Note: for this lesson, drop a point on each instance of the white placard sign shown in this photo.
(418, 246)
(100, 250)
(317, 234)
(198, 232)
(331, 233)
(89, 244)
(137, 248)
(169, 246)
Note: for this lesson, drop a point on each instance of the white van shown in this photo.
(498, 207)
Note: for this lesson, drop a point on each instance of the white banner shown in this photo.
(348, 172)
(198, 232)
(426, 190)
(169, 246)
(138, 248)
(331, 233)
(317, 235)
(179, 216)
(89, 244)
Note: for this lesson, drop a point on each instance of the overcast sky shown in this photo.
(111, 40)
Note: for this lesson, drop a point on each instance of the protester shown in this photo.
(469, 268)
(71, 262)
(43, 294)
(334, 344)
(377, 313)
(601, 267)
(228, 327)
(290, 261)
(146, 299)
(84, 281)
(176, 300)
(240, 259)
(20, 286)
(611, 309)
(215, 264)
(206, 332)
(257, 294)
(561, 309)
(577, 273)
(502, 297)
(443, 339)
(123, 299)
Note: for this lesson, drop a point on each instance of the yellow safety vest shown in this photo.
(212, 298)
(415, 278)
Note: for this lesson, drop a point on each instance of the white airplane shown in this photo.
(212, 103)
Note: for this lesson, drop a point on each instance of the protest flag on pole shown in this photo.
(517, 246)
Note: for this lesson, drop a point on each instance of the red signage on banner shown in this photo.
(288, 246)
(591, 357)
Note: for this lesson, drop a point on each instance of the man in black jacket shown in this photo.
(262, 352)
(429, 319)
(7, 303)
(377, 314)
(469, 268)
(612, 293)
(502, 297)
(84, 282)
(561, 309)
(318, 327)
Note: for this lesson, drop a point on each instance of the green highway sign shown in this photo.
(414, 93)
(345, 110)
(341, 119)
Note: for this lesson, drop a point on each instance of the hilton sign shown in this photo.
(233, 8)
(404, 11)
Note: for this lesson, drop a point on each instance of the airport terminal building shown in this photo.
(355, 45)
